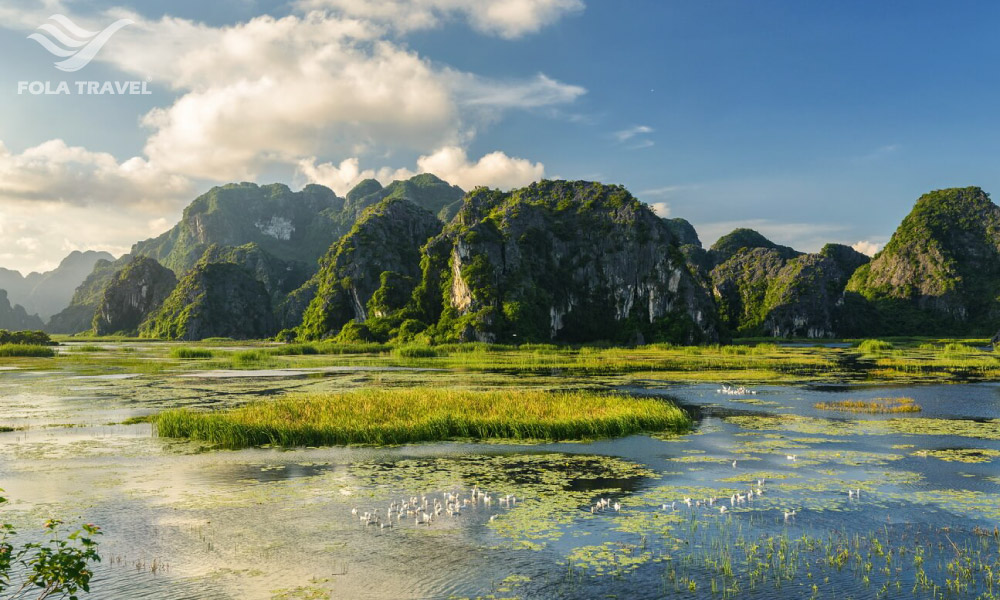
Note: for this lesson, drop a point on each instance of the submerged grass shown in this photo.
(874, 406)
(396, 416)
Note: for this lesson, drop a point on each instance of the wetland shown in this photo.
(762, 493)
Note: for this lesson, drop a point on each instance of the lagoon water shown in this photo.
(182, 520)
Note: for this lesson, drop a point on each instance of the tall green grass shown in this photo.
(187, 353)
(874, 346)
(396, 416)
(26, 350)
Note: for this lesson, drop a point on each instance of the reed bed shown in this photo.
(875, 406)
(397, 416)
(26, 350)
(190, 353)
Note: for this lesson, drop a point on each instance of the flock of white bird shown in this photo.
(737, 390)
(426, 509)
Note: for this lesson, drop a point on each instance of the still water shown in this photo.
(184, 521)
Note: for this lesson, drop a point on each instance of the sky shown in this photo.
(810, 122)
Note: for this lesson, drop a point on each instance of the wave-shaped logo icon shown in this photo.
(74, 43)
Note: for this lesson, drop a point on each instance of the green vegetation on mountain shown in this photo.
(939, 273)
(214, 300)
(79, 315)
(426, 191)
(567, 261)
(766, 289)
(372, 270)
(280, 277)
(738, 239)
(291, 226)
(132, 295)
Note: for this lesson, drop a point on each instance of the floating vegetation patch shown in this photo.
(965, 455)
(396, 416)
(874, 406)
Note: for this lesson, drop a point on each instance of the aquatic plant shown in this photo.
(26, 350)
(395, 416)
(874, 406)
(874, 346)
(188, 353)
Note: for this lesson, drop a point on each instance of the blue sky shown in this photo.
(811, 122)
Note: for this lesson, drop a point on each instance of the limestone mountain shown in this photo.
(15, 318)
(79, 315)
(279, 277)
(214, 300)
(372, 270)
(47, 293)
(560, 260)
(426, 191)
(765, 289)
(940, 271)
(291, 226)
(132, 295)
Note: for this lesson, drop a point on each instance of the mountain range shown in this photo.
(566, 261)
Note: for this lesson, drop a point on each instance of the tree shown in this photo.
(55, 568)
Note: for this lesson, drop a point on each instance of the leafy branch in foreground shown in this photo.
(56, 568)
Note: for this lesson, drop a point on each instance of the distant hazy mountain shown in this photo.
(47, 293)
(14, 318)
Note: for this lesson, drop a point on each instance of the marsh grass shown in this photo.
(874, 406)
(86, 348)
(396, 416)
(26, 350)
(875, 347)
(190, 353)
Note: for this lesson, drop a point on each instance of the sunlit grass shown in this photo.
(26, 350)
(874, 406)
(189, 353)
(395, 416)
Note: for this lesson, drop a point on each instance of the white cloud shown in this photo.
(505, 18)
(662, 209)
(626, 134)
(867, 247)
(278, 90)
(450, 163)
(56, 172)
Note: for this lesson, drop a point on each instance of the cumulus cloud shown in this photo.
(56, 172)
(867, 247)
(450, 163)
(280, 89)
(662, 209)
(505, 18)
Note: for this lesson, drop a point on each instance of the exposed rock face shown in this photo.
(133, 294)
(45, 294)
(573, 261)
(371, 271)
(774, 291)
(79, 315)
(940, 271)
(291, 226)
(214, 300)
(15, 318)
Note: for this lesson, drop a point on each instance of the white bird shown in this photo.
(722, 510)
(618, 507)
(789, 514)
(734, 464)
(790, 457)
